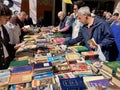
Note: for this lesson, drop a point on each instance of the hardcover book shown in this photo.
(72, 84)
(18, 63)
(43, 66)
(43, 81)
(22, 69)
(72, 56)
(100, 82)
(90, 55)
(58, 58)
(79, 67)
(111, 67)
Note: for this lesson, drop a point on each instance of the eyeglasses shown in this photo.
(75, 9)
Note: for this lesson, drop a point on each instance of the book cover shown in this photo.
(21, 86)
(79, 67)
(72, 84)
(43, 66)
(100, 82)
(43, 81)
(90, 55)
(111, 67)
(58, 58)
(37, 76)
(72, 56)
(18, 63)
(43, 87)
(20, 78)
(86, 79)
(20, 69)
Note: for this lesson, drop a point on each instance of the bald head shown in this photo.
(61, 15)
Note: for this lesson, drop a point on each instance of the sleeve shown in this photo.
(75, 40)
(108, 39)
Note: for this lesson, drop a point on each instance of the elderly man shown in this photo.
(18, 20)
(64, 26)
(97, 28)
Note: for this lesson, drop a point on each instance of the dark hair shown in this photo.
(79, 3)
(116, 14)
(4, 10)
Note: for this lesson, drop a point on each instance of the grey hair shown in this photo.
(84, 10)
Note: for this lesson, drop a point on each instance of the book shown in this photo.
(46, 66)
(100, 82)
(20, 78)
(86, 79)
(58, 58)
(61, 67)
(72, 56)
(21, 86)
(43, 81)
(59, 40)
(78, 67)
(18, 63)
(111, 67)
(43, 87)
(72, 84)
(90, 55)
(116, 81)
(4, 77)
(22, 69)
(37, 76)
(79, 49)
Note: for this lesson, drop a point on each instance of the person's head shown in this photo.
(104, 13)
(115, 16)
(108, 15)
(22, 16)
(61, 15)
(5, 14)
(83, 14)
(77, 5)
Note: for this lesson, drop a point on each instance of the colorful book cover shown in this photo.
(43, 81)
(79, 67)
(58, 58)
(21, 86)
(38, 76)
(101, 82)
(44, 87)
(111, 67)
(20, 78)
(72, 56)
(20, 69)
(18, 63)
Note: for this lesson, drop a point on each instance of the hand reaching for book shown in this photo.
(93, 44)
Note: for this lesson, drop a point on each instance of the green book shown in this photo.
(18, 63)
(81, 48)
(111, 67)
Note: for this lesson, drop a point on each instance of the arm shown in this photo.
(108, 38)
(75, 40)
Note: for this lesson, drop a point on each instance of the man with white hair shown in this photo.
(97, 28)
(64, 26)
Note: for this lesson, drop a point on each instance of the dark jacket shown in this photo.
(101, 32)
(7, 45)
(62, 25)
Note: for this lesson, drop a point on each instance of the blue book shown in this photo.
(72, 84)
(58, 58)
(42, 75)
(101, 83)
(42, 65)
(21, 69)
